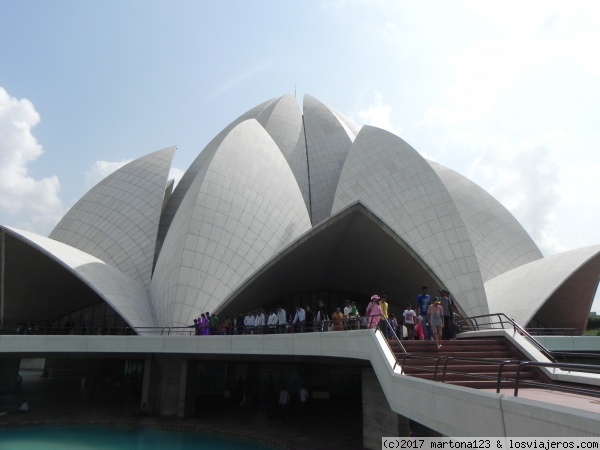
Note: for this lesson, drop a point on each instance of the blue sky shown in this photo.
(504, 92)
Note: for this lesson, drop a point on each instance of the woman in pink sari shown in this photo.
(374, 311)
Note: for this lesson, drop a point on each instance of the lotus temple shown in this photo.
(288, 206)
(284, 207)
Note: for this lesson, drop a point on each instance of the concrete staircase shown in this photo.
(471, 363)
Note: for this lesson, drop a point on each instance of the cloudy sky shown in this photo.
(505, 92)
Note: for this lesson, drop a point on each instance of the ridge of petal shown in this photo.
(117, 220)
(241, 212)
(328, 141)
(500, 242)
(557, 290)
(197, 169)
(283, 121)
(396, 183)
(125, 295)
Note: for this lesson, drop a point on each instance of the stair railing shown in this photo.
(568, 366)
(502, 320)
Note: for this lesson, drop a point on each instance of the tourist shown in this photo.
(284, 401)
(322, 316)
(239, 323)
(299, 318)
(354, 316)
(435, 314)
(309, 319)
(259, 321)
(303, 394)
(225, 326)
(373, 312)
(282, 321)
(418, 332)
(410, 317)
(249, 322)
(423, 302)
(338, 320)
(272, 322)
(383, 304)
(214, 324)
(347, 309)
(204, 324)
(447, 304)
(394, 327)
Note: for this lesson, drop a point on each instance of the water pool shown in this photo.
(103, 438)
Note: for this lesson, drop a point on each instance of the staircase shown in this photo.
(471, 363)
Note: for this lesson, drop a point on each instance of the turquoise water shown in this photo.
(93, 438)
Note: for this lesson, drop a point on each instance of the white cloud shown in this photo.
(176, 174)
(21, 194)
(100, 170)
(249, 73)
(525, 178)
(379, 114)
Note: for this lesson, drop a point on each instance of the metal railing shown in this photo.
(440, 366)
(588, 368)
(502, 319)
(555, 331)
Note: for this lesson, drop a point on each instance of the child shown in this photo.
(394, 325)
(418, 333)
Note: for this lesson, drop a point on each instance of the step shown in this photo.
(483, 384)
(500, 355)
(452, 348)
(476, 376)
(471, 368)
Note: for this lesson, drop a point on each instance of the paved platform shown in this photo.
(586, 403)
(326, 425)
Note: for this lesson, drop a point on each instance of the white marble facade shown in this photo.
(271, 177)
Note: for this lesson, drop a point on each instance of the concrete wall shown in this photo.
(378, 418)
(427, 402)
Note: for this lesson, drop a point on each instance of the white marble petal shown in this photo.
(396, 183)
(117, 220)
(245, 209)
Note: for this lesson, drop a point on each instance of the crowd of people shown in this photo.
(430, 320)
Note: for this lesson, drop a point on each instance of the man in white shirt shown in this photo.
(282, 320)
(272, 322)
(284, 400)
(260, 322)
(249, 323)
(299, 319)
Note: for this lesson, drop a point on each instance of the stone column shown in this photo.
(149, 400)
(9, 368)
(187, 396)
(378, 418)
(171, 382)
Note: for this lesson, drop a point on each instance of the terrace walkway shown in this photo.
(483, 411)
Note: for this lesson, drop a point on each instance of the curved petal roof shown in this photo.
(196, 170)
(328, 141)
(556, 291)
(125, 295)
(352, 250)
(240, 222)
(116, 221)
(283, 121)
(396, 183)
(245, 209)
(500, 242)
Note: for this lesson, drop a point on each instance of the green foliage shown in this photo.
(593, 323)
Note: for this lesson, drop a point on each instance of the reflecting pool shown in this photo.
(101, 438)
